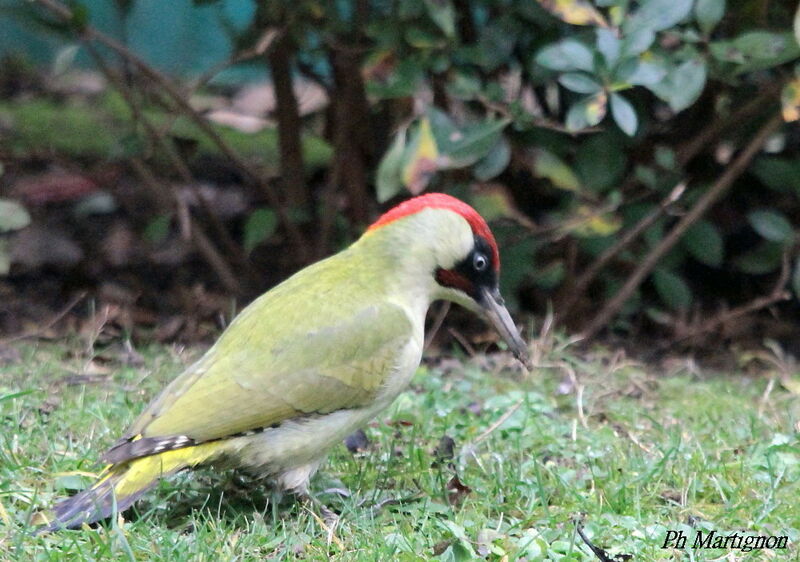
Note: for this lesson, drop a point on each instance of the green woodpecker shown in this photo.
(310, 361)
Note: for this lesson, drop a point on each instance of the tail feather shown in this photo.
(120, 485)
(96, 502)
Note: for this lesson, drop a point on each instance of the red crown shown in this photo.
(441, 201)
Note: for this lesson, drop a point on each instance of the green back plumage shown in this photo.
(323, 340)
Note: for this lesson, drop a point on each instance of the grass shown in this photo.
(89, 132)
(634, 451)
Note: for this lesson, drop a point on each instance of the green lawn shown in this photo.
(635, 451)
(99, 130)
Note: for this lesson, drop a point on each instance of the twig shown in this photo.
(463, 341)
(199, 238)
(89, 33)
(762, 403)
(378, 506)
(215, 259)
(264, 44)
(778, 293)
(706, 136)
(633, 438)
(500, 421)
(168, 147)
(683, 156)
(308, 71)
(601, 554)
(579, 388)
(329, 530)
(444, 308)
(723, 183)
(541, 122)
(591, 272)
(49, 324)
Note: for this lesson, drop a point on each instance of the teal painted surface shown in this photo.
(176, 37)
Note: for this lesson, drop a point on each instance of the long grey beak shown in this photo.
(496, 312)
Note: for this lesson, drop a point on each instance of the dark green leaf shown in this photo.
(550, 276)
(157, 229)
(624, 114)
(796, 278)
(588, 112)
(637, 41)
(129, 145)
(780, 174)
(517, 257)
(5, 261)
(80, 16)
(565, 56)
(13, 395)
(464, 85)
(579, 82)
(402, 82)
(672, 289)
(756, 50)
(704, 243)
(261, 224)
(473, 142)
(646, 175)
(609, 44)
(625, 68)
(443, 15)
(708, 13)
(600, 161)
(772, 225)
(420, 38)
(665, 157)
(443, 128)
(496, 44)
(796, 25)
(388, 180)
(493, 163)
(683, 85)
(766, 258)
(548, 165)
(645, 74)
(657, 15)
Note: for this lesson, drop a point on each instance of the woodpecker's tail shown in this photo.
(119, 485)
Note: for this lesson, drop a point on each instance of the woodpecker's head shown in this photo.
(452, 247)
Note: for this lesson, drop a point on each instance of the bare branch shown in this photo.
(200, 240)
(252, 175)
(168, 148)
(591, 272)
(777, 294)
(706, 136)
(723, 183)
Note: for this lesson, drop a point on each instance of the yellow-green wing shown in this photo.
(291, 352)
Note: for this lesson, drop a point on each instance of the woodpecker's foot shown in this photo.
(330, 517)
(378, 506)
(323, 514)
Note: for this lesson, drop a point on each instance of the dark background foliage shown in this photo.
(638, 160)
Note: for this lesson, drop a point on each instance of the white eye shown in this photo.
(479, 262)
